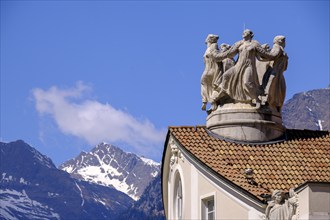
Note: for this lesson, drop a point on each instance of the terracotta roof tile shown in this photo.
(304, 156)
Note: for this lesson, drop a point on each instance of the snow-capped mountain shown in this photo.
(110, 166)
(31, 187)
(308, 110)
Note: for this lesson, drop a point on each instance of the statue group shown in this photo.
(255, 78)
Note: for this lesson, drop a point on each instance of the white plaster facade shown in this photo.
(314, 201)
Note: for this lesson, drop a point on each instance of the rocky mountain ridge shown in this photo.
(308, 110)
(31, 187)
(108, 165)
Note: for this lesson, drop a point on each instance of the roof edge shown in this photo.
(303, 185)
(234, 186)
(162, 169)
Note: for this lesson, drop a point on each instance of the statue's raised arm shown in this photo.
(278, 47)
(231, 52)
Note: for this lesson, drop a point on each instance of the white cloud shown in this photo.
(94, 122)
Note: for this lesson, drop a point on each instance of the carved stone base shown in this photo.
(242, 122)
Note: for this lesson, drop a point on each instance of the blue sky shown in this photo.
(76, 73)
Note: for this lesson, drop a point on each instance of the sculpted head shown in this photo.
(266, 47)
(280, 40)
(247, 34)
(212, 38)
(277, 196)
(224, 47)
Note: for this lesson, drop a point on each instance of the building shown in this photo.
(205, 176)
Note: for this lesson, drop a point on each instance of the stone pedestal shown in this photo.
(242, 122)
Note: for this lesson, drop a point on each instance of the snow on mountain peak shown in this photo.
(13, 202)
(109, 165)
(149, 161)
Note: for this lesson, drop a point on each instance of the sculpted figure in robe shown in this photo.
(273, 80)
(263, 66)
(225, 65)
(211, 70)
(229, 62)
(280, 208)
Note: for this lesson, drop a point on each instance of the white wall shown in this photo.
(314, 202)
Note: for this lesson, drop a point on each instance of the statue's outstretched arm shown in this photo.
(219, 56)
(268, 56)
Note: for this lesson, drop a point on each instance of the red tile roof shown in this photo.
(303, 157)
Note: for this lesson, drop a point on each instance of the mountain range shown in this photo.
(31, 187)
